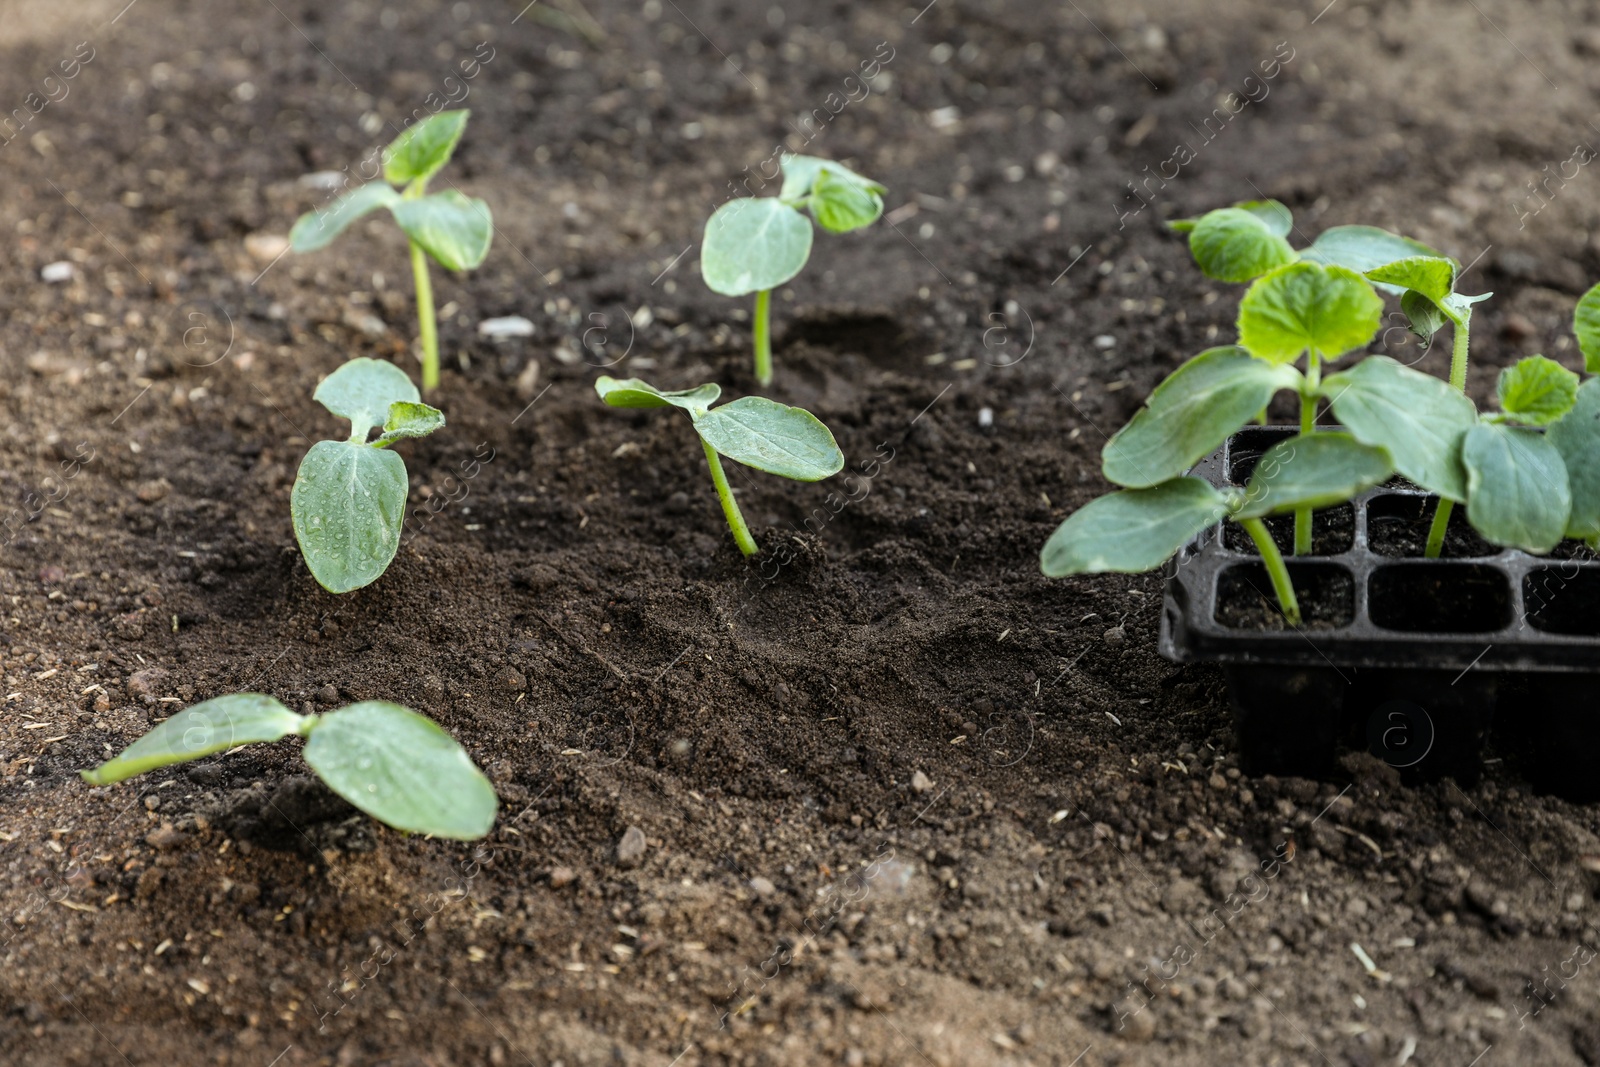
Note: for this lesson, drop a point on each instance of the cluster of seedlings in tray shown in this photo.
(349, 497)
(1527, 473)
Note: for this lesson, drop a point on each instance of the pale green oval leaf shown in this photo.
(1432, 276)
(1577, 438)
(1517, 489)
(1537, 391)
(315, 229)
(1417, 418)
(800, 176)
(403, 770)
(771, 437)
(1235, 245)
(638, 393)
(363, 390)
(842, 204)
(211, 726)
(424, 147)
(1586, 324)
(1133, 530)
(409, 420)
(1190, 414)
(453, 228)
(1364, 248)
(751, 244)
(1423, 316)
(1314, 470)
(348, 504)
(1305, 305)
(1277, 218)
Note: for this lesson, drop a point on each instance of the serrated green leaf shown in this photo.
(1577, 438)
(1306, 305)
(363, 390)
(1537, 391)
(403, 770)
(1422, 315)
(772, 437)
(638, 393)
(348, 504)
(424, 147)
(1314, 470)
(211, 726)
(1518, 494)
(800, 176)
(1133, 530)
(1417, 418)
(1586, 324)
(409, 420)
(1364, 248)
(842, 204)
(1197, 408)
(1432, 276)
(1235, 245)
(751, 244)
(316, 229)
(453, 228)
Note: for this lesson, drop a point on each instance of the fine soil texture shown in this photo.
(882, 795)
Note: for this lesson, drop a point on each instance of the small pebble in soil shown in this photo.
(328, 694)
(1105, 341)
(561, 877)
(58, 272)
(528, 381)
(266, 247)
(762, 887)
(921, 783)
(985, 418)
(1116, 635)
(630, 850)
(165, 837)
(152, 491)
(505, 326)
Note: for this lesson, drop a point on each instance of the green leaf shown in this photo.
(1586, 324)
(800, 176)
(362, 391)
(317, 228)
(843, 204)
(1304, 305)
(1417, 418)
(1537, 391)
(1133, 530)
(1423, 315)
(1577, 438)
(211, 726)
(1197, 408)
(638, 393)
(1517, 489)
(453, 228)
(1314, 470)
(348, 504)
(1235, 245)
(1432, 276)
(409, 420)
(424, 147)
(403, 770)
(752, 244)
(1364, 248)
(771, 437)
(1276, 216)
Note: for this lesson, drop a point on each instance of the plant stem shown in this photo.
(762, 328)
(1459, 347)
(1276, 569)
(425, 320)
(1308, 424)
(730, 508)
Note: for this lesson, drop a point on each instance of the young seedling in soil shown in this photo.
(1576, 435)
(349, 498)
(1138, 530)
(451, 228)
(395, 765)
(755, 244)
(752, 430)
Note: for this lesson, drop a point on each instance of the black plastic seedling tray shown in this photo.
(1410, 657)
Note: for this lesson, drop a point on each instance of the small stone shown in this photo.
(1105, 341)
(504, 327)
(1517, 328)
(328, 695)
(50, 574)
(762, 887)
(511, 678)
(165, 838)
(562, 876)
(630, 850)
(266, 247)
(364, 321)
(149, 682)
(1217, 781)
(920, 783)
(985, 418)
(151, 491)
(1116, 635)
(58, 272)
(528, 381)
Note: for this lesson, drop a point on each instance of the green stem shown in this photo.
(762, 328)
(1460, 345)
(425, 320)
(1277, 570)
(741, 532)
(1308, 424)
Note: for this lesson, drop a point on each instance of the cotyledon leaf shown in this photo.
(1133, 530)
(638, 393)
(211, 726)
(1312, 470)
(1518, 494)
(453, 228)
(772, 437)
(1417, 418)
(1577, 438)
(316, 229)
(753, 244)
(348, 506)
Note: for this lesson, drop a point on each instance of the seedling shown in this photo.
(752, 430)
(449, 227)
(755, 244)
(349, 498)
(397, 766)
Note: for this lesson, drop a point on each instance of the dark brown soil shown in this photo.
(904, 800)
(1399, 525)
(1332, 532)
